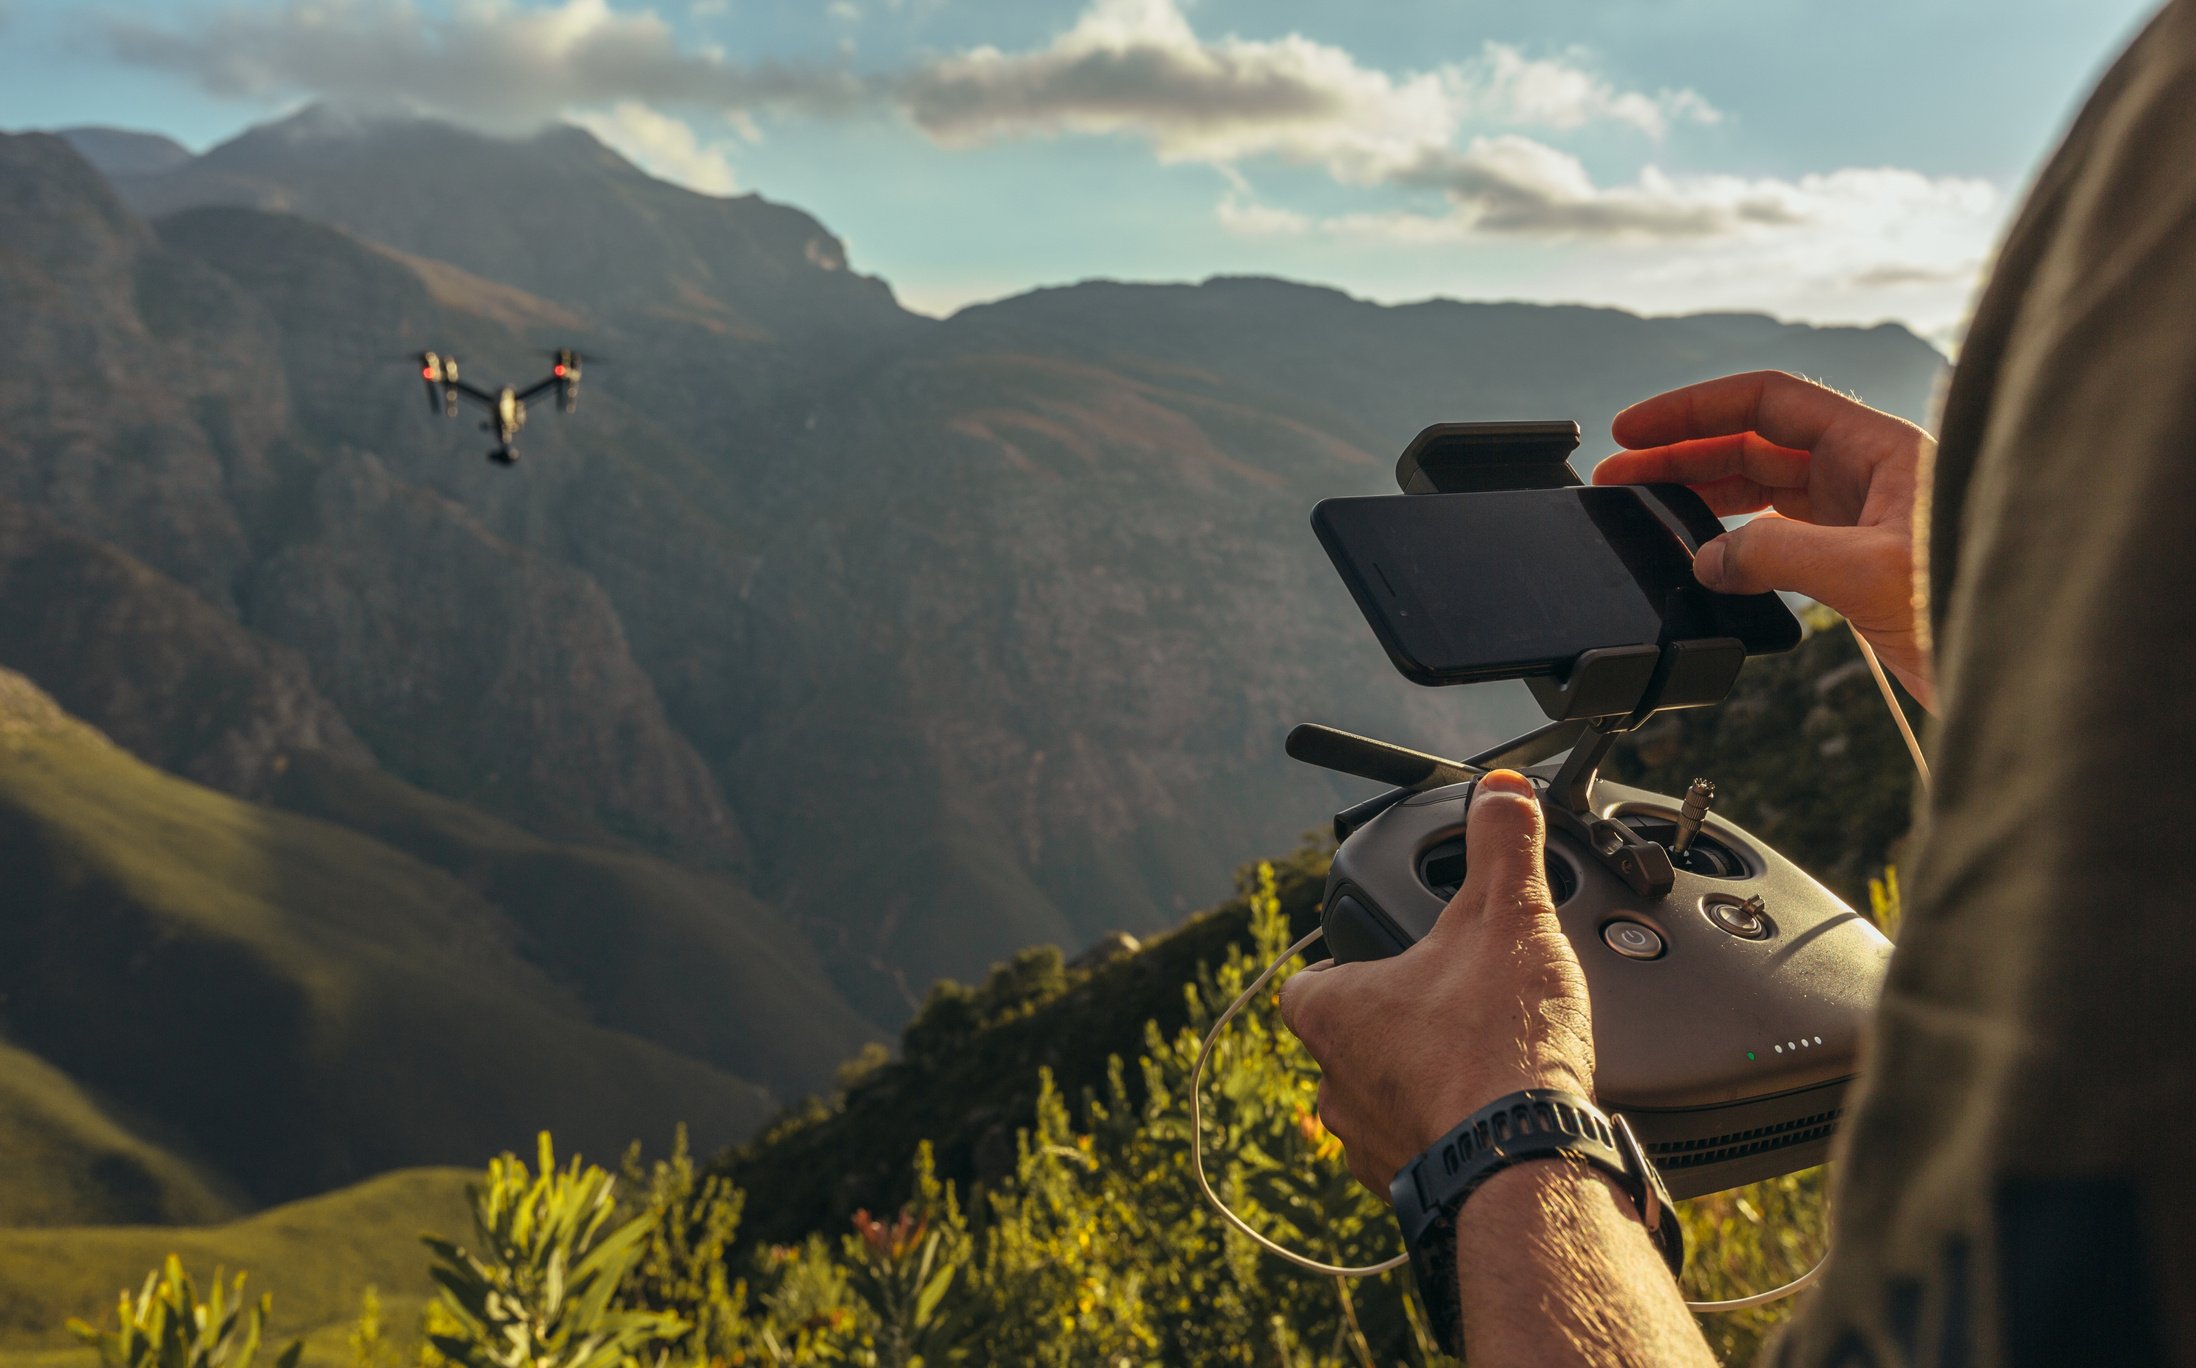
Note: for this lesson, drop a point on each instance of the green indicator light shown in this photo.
(1749, 1054)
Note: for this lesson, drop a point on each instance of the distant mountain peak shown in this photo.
(348, 118)
(125, 151)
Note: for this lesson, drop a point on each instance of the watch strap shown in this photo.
(1538, 1123)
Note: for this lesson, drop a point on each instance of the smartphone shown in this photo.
(1461, 588)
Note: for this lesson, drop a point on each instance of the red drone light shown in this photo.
(560, 368)
(427, 372)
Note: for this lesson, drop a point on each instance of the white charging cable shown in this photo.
(1197, 1136)
(1891, 701)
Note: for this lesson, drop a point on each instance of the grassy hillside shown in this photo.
(317, 1255)
(299, 1004)
(686, 959)
(69, 1160)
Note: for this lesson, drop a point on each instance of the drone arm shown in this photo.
(474, 393)
(540, 387)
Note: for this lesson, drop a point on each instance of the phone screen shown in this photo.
(1460, 587)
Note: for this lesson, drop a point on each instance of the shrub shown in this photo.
(167, 1326)
(540, 1291)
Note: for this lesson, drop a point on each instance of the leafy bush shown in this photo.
(167, 1326)
(539, 1293)
(682, 1268)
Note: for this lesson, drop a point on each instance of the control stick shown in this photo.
(1691, 813)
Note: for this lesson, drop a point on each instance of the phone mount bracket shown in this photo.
(1474, 458)
(1601, 695)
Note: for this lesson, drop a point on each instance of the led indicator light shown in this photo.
(1749, 1054)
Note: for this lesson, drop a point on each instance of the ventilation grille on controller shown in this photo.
(1715, 1149)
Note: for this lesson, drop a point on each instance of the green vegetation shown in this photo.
(538, 1292)
(183, 959)
(167, 1326)
(1091, 1248)
(70, 1161)
(679, 936)
(316, 1255)
(968, 1073)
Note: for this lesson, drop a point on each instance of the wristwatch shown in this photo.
(1538, 1123)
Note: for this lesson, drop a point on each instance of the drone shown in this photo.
(506, 406)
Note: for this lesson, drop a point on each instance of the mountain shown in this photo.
(285, 1005)
(825, 651)
(117, 152)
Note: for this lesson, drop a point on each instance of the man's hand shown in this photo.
(1490, 1002)
(1839, 476)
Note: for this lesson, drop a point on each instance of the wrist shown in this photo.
(1446, 1107)
(1540, 1150)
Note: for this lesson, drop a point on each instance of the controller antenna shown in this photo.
(1691, 814)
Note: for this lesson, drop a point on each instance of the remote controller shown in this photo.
(1729, 989)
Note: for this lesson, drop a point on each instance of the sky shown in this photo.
(1848, 161)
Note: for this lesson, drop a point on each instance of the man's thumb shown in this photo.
(1505, 844)
(1776, 552)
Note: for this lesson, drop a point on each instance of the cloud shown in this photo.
(1247, 218)
(1137, 68)
(661, 145)
(1512, 184)
(1131, 67)
(1892, 275)
(494, 62)
(1512, 88)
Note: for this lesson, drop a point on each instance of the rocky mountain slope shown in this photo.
(822, 622)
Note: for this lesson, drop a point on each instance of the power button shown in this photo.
(1632, 940)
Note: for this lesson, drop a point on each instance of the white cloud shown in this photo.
(495, 62)
(1512, 88)
(1247, 218)
(1856, 245)
(1130, 67)
(1136, 67)
(661, 145)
